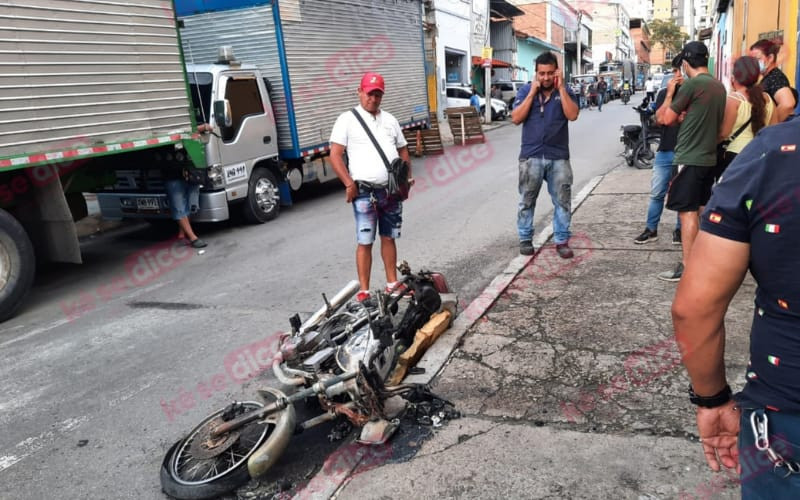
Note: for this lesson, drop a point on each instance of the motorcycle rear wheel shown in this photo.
(186, 476)
(645, 154)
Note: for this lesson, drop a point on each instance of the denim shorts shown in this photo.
(373, 208)
(184, 198)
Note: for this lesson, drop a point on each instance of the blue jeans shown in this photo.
(759, 478)
(662, 174)
(601, 96)
(558, 174)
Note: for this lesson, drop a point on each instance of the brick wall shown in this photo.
(534, 22)
(557, 33)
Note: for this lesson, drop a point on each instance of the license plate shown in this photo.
(147, 203)
(235, 173)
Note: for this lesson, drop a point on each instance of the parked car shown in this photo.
(510, 88)
(459, 95)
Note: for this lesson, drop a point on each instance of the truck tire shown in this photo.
(17, 265)
(263, 202)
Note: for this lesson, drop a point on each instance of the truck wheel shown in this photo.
(17, 265)
(263, 198)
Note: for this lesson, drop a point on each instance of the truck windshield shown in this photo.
(200, 86)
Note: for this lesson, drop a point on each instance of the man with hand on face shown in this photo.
(702, 99)
(366, 178)
(545, 107)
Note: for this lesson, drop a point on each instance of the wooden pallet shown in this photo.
(424, 141)
(465, 125)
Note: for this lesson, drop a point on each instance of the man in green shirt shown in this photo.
(700, 104)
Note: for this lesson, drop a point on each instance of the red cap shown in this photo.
(371, 81)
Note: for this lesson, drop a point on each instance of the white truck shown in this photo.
(97, 97)
(308, 57)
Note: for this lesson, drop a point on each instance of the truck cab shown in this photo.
(231, 103)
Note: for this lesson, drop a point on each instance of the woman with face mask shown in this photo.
(748, 109)
(775, 82)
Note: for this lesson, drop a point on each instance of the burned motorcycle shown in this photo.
(343, 355)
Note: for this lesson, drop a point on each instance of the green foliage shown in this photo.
(667, 33)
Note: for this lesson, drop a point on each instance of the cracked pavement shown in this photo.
(571, 385)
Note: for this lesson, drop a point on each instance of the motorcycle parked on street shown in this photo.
(343, 355)
(641, 141)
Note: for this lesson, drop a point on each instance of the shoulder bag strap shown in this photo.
(372, 138)
(741, 129)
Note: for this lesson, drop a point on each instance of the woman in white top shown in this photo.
(747, 104)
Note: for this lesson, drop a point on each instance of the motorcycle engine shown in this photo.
(360, 348)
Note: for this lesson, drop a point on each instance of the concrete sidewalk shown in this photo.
(571, 385)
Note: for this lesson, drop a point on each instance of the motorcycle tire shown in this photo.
(236, 475)
(628, 155)
(644, 155)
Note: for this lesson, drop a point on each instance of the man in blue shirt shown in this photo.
(545, 107)
(474, 101)
(752, 221)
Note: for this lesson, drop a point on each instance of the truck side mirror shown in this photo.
(222, 113)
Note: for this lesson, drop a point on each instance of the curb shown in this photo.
(435, 358)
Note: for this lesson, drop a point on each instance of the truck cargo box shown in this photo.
(313, 52)
(89, 78)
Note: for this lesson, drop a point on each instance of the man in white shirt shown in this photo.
(365, 178)
(650, 88)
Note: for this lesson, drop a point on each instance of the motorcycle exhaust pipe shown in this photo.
(331, 306)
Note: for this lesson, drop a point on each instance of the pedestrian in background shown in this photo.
(544, 108)
(748, 110)
(474, 101)
(497, 93)
(759, 429)
(650, 88)
(184, 200)
(662, 165)
(702, 98)
(774, 82)
(602, 88)
(366, 179)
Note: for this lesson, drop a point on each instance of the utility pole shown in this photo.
(580, 48)
(691, 20)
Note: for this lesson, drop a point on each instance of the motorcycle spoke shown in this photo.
(191, 469)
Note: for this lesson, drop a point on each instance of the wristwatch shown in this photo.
(714, 401)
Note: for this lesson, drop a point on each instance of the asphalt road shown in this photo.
(112, 361)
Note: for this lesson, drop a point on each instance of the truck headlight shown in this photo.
(216, 176)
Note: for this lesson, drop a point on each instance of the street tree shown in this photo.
(667, 33)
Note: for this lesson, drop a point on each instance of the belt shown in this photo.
(368, 186)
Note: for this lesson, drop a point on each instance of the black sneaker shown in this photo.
(672, 275)
(526, 247)
(646, 237)
(676, 237)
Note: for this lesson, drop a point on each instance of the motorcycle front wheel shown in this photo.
(645, 154)
(200, 466)
(628, 154)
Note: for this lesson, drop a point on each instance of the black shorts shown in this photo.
(690, 187)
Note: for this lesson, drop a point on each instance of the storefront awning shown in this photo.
(496, 63)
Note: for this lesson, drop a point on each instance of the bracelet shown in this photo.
(714, 401)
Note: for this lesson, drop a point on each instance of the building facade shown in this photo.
(739, 24)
